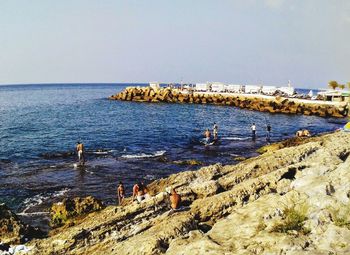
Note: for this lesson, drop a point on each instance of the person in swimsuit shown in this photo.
(299, 133)
(175, 199)
(120, 193)
(215, 131)
(268, 132)
(306, 133)
(80, 150)
(207, 136)
(253, 128)
(140, 192)
(135, 190)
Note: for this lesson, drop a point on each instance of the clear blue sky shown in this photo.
(246, 41)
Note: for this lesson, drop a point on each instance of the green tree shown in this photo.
(341, 86)
(333, 84)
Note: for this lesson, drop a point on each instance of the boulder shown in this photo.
(69, 208)
(13, 230)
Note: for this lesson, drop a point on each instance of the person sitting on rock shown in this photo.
(175, 199)
(306, 133)
(120, 193)
(299, 133)
(140, 192)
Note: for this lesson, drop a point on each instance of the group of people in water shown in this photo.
(207, 135)
(140, 193)
(209, 141)
(139, 190)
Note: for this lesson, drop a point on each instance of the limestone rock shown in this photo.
(294, 200)
(61, 212)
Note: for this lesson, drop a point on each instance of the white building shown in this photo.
(202, 87)
(268, 90)
(233, 88)
(288, 90)
(154, 85)
(253, 89)
(218, 87)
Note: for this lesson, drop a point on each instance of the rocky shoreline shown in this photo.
(270, 104)
(292, 199)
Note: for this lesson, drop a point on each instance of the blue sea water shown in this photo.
(125, 141)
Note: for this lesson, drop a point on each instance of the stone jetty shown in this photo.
(272, 104)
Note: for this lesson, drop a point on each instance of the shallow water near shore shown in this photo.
(125, 141)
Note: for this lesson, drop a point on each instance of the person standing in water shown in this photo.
(81, 150)
(253, 128)
(215, 131)
(120, 193)
(207, 136)
(268, 132)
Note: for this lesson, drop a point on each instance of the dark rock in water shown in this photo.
(239, 158)
(162, 159)
(4, 247)
(63, 211)
(190, 162)
(13, 230)
(57, 155)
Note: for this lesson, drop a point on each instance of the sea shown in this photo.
(40, 125)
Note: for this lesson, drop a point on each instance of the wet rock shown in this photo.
(190, 162)
(239, 158)
(63, 211)
(13, 230)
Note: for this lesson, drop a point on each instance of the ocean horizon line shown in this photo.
(98, 83)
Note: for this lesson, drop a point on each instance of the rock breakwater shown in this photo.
(270, 104)
(293, 200)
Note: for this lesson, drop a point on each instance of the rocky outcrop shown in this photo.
(13, 230)
(63, 212)
(293, 200)
(270, 104)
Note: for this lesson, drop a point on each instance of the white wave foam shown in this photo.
(103, 152)
(150, 177)
(144, 155)
(33, 213)
(100, 152)
(39, 199)
(236, 138)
